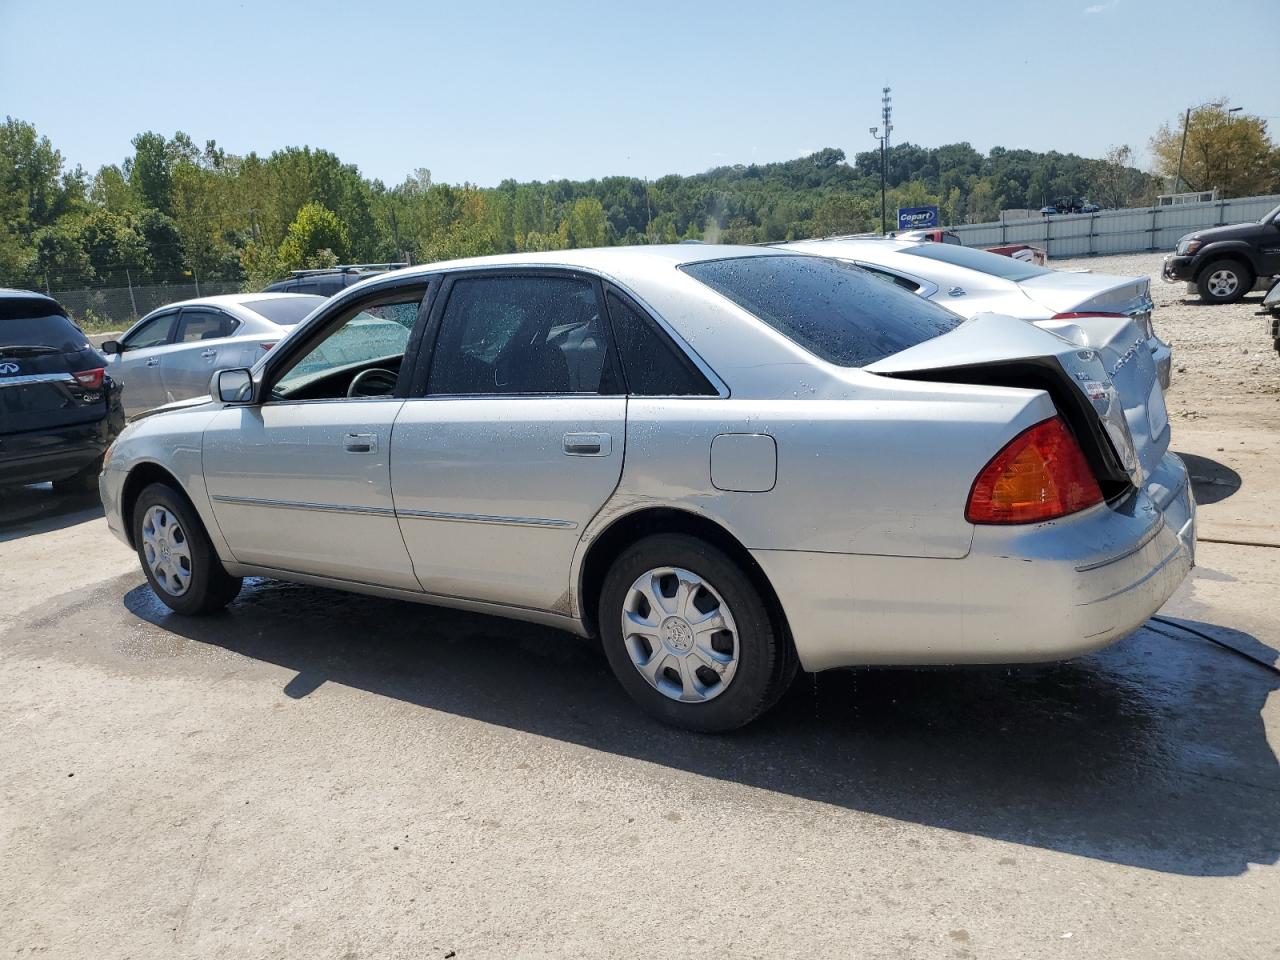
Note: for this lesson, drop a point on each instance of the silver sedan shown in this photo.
(171, 352)
(725, 462)
(969, 282)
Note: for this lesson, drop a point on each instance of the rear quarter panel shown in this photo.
(886, 472)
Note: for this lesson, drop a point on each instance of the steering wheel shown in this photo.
(374, 382)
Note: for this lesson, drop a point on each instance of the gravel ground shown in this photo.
(1224, 362)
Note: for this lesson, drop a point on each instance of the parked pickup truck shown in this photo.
(1225, 263)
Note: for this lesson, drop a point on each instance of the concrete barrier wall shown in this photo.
(1131, 230)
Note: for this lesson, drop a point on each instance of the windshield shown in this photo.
(835, 310)
(285, 311)
(991, 264)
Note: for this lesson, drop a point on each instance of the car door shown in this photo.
(137, 367)
(198, 346)
(512, 438)
(300, 479)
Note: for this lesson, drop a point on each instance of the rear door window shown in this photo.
(655, 367)
(834, 309)
(504, 335)
(200, 325)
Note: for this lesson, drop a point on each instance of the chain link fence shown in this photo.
(116, 308)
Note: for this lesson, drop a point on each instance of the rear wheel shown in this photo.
(176, 554)
(689, 636)
(1224, 281)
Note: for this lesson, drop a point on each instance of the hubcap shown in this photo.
(1223, 283)
(680, 634)
(167, 551)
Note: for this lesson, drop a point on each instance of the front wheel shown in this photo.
(689, 636)
(1224, 281)
(176, 554)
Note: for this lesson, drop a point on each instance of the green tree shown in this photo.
(1224, 150)
(585, 226)
(836, 215)
(314, 229)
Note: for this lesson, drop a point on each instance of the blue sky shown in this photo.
(480, 91)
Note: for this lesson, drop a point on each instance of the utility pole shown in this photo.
(1186, 122)
(883, 222)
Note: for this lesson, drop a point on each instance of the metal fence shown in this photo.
(1132, 230)
(119, 307)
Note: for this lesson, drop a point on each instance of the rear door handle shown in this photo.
(360, 443)
(587, 444)
(209, 354)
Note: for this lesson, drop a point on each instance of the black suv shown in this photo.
(326, 283)
(59, 411)
(1225, 262)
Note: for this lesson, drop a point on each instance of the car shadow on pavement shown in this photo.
(1151, 753)
(25, 511)
(1211, 481)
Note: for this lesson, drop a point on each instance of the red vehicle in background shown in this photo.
(1018, 251)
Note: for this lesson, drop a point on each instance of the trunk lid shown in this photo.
(1064, 292)
(1109, 390)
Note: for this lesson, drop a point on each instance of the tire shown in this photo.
(185, 572)
(751, 655)
(86, 481)
(1224, 281)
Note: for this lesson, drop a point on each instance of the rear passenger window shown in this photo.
(200, 325)
(654, 366)
(519, 335)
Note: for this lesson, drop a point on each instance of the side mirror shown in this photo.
(111, 346)
(232, 386)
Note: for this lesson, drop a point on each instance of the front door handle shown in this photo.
(209, 354)
(153, 361)
(360, 443)
(587, 444)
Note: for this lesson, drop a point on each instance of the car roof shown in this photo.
(10, 293)
(847, 246)
(234, 300)
(626, 265)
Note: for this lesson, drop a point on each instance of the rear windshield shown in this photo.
(37, 323)
(833, 309)
(285, 311)
(991, 264)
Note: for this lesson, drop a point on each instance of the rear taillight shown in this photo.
(1039, 475)
(92, 379)
(268, 346)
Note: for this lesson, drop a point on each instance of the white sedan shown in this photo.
(968, 282)
(171, 353)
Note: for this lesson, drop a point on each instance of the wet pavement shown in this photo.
(316, 773)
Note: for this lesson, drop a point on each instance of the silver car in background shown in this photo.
(170, 353)
(968, 282)
(725, 462)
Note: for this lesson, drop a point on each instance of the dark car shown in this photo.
(1069, 205)
(59, 411)
(327, 282)
(1225, 262)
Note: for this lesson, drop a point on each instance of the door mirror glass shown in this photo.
(232, 386)
(110, 346)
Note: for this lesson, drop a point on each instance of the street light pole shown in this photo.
(884, 225)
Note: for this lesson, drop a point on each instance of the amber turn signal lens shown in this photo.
(1040, 474)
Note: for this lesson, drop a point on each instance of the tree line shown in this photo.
(174, 211)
